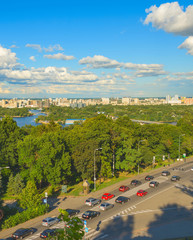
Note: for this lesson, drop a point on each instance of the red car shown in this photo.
(123, 188)
(141, 193)
(107, 196)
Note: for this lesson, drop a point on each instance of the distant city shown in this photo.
(79, 103)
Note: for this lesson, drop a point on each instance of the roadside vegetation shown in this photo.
(48, 156)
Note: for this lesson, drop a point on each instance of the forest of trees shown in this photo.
(52, 155)
(14, 112)
(163, 113)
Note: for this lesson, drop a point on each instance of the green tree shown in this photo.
(30, 197)
(10, 185)
(18, 184)
(75, 231)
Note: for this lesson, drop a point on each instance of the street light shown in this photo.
(95, 169)
(179, 145)
(138, 151)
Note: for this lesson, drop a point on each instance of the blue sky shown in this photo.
(95, 48)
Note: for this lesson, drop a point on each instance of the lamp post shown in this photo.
(95, 168)
(138, 151)
(179, 144)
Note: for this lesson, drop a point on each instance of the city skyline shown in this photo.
(96, 49)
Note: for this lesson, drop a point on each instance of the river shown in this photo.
(22, 121)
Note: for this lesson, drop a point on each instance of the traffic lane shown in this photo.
(166, 209)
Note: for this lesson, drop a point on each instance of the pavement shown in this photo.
(76, 202)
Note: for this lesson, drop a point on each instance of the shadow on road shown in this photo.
(167, 225)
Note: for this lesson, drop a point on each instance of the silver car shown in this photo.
(105, 206)
(92, 201)
(49, 221)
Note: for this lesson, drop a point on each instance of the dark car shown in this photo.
(48, 233)
(122, 199)
(149, 178)
(135, 182)
(165, 173)
(9, 238)
(72, 212)
(153, 184)
(22, 232)
(90, 214)
(175, 178)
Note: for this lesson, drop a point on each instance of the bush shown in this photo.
(24, 216)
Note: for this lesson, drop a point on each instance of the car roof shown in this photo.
(122, 197)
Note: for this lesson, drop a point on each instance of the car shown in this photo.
(48, 233)
(149, 178)
(191, 169)
(122, 199)
(90, 214)
(105, 206)
(165, 173)
(135, 182)
(123, 188)
(71, 212)
(22, 232)
(141, 193)
(153, 184)
(9, 238)
(175, 178)
(107, 196)
(49, 221)
(92, 201)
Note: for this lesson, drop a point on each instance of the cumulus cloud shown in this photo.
(99, 61)
(8, 59)
(56, 47)
(172, 18)
(59, 56)
(34, 46)
(32, 58)
(188, 45)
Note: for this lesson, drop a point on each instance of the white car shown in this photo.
(49, 221)
(92, 201)
(191, 169)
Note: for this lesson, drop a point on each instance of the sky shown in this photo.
(94, 49)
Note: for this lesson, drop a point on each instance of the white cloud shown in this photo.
(8, 59)
(34, 46)
(99, 61)
(172, 18)
(32, 58)
(56, 47)
(59, 56)
(188, 45)
(13, 46)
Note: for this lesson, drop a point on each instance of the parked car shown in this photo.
(153, 184)
(107, 196)
(165, 173)
(72, 212)
(175, 178)
(49, 221)
(122, 199)
(191, 169)
(149, 178)
(22, 232)
(9, 238)
(123, 188)
(106, 206)
(135, 182)
(48, 233)
(90, 214)
(141, 193)
(92, 201)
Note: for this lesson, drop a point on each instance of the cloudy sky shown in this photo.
(84, 49)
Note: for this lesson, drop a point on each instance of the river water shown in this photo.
(22, 121)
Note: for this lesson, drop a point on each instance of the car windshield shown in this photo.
(86, 213)
(103, 205)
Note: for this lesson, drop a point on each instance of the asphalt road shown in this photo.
(166, 211)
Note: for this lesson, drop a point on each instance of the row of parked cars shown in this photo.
(49, 221)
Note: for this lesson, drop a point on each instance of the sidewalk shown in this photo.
(76, 202)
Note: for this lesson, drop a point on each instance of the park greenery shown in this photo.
(51, 155)
(14, 112)
(163, 113)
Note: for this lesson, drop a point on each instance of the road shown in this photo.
(155, 216)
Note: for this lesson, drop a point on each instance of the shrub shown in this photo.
(24, 216)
